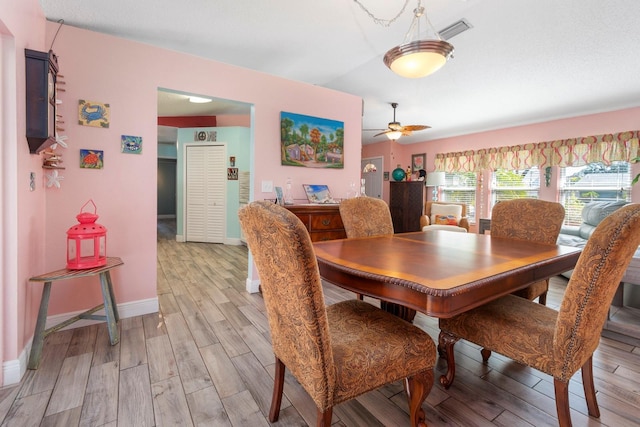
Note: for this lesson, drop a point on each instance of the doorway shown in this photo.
(167, 188)
(373, 179)
(173, 104)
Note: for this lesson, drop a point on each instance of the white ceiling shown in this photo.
(524, 61)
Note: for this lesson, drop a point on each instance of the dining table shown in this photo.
(438, 273)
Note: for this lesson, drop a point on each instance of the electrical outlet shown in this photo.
(267, 186)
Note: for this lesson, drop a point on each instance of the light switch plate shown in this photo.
(267, 186)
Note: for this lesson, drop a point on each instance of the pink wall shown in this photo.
(594, 124)
(22, 219)
(125, 75)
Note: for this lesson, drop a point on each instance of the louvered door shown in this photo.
(205, 198)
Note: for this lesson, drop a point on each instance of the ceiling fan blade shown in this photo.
(383, 133)
(373, 130)
(415, 127)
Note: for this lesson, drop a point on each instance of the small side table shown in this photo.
(109, 304)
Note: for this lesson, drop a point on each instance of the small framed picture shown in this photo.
(91, 159)
(279, 196)
(94, 114)
(418, 161)
(232, 174)
(232, 161)
(131, 144)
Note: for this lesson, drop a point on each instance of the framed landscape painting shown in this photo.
(311, 142)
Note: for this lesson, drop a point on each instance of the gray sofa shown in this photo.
(592, 214)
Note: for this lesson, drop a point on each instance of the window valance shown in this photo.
(564, 152)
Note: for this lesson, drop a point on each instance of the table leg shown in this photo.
(401, 311)
(113, 298)
(109, 311)
(38, 335)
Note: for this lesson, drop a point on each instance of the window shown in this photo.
(514, 184)
(582, 184)
(460, 187)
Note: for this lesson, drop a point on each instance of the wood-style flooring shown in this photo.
(205, 360)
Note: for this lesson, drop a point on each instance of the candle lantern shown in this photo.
(86, 241)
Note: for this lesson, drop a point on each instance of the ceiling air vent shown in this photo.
(454, 29)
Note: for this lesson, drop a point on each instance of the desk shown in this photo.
(439, 273)
(110, 308)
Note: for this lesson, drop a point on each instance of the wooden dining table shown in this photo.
(438, 273)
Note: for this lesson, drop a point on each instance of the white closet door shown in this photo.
(205, 193)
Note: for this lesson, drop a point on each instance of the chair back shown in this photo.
(590, 291)
(290, 282)
(533, 220)
(366, 216)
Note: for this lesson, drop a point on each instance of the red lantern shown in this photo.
(86, 241)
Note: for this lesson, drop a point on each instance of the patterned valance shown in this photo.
(564, 152)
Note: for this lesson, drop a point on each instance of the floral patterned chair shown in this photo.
(531, 220)
(365, 216)
(336, 352)
(557, 343)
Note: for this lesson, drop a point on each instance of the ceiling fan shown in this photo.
(395, 130)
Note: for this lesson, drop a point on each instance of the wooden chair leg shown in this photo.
(562, 402)
(589, 388)
(542, 299)
(418, 388)
(446, 342)
(324, 418)
(276, 398)
(486, 354)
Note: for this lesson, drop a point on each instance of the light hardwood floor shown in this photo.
(206, 360)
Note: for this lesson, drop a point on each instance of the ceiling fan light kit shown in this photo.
(393, 135)
(416, 58)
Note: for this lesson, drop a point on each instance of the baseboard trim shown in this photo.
(253, 286)
(14, 370)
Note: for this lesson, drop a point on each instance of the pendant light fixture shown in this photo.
(416, 58)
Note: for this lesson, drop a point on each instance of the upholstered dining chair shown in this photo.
(557, 343)
(336, 352)
(531, 220)
(365, 216)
